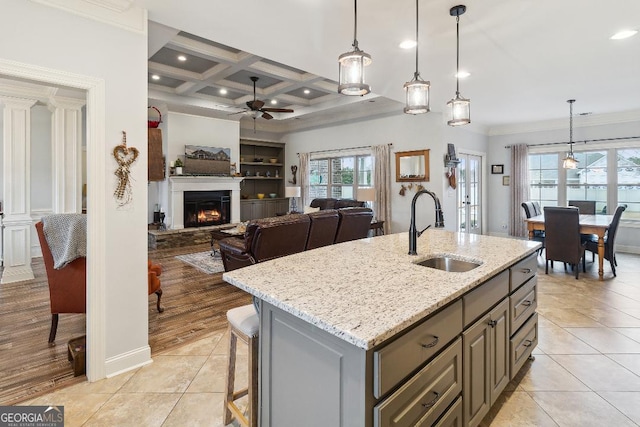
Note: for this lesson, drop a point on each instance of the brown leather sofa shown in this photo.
(270, 238)
(328, 203)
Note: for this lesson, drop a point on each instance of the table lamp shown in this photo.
(367, 195)
(293, 193)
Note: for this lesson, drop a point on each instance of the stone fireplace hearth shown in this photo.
(179, 184)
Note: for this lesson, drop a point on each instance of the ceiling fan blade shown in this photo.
(267, 116)
(277, 110)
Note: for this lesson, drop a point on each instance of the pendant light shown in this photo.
(351, 65)
(570, 161)
(417, 90)
(459, 107)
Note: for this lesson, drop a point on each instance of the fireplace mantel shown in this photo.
(179, 184)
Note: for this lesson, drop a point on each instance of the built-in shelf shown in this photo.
(260, 164)
(263, 177)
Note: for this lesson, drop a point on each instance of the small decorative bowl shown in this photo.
(260, 195)
(273, 195)
(273, 160)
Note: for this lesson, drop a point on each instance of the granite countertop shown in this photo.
(366, 291)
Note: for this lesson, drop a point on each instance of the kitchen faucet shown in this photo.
(413, 232)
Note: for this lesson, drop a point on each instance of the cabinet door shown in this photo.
(476, 394)
(499, 335)
(245, 211)
(271, 208)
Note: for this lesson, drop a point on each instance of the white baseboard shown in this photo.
(128, 361)
(628, 249)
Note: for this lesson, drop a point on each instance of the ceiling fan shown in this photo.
(258, 106)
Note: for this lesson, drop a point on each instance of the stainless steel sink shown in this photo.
(449, 264)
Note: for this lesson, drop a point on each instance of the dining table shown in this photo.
(589, 224)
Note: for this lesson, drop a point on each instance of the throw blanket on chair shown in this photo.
(66, 236)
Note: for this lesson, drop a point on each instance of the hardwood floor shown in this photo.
(195, 304)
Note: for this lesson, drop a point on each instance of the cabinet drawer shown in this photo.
(523, 303)
(453, 416)
(523, 271)
(523, 343)
(402, 356)
(426, 395)
(480, 300)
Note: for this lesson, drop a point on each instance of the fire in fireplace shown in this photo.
(202, 208)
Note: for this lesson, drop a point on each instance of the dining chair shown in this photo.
(562, 237)
(586, 207)
(609, 241)
(536, 208)
(538, 235)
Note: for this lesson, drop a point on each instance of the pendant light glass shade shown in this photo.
(459, 108)
(352, 65)
(570, 161)
(417, 90)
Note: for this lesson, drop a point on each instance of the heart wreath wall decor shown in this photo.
(125, 156)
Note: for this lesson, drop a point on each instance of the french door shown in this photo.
(469, 193)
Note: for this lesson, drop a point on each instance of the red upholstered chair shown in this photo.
(154, 272)
(67, 286)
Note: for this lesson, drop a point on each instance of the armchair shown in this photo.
(354, 224)
(154, 272)
(67, 286)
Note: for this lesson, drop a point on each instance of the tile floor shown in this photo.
(586, 370)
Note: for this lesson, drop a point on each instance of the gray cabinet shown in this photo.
(265, 208)
(486, 362)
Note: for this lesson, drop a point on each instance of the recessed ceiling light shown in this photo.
(307, 91)
(155, 77)
(463, 74)
(274, 102)
(182, 58)
(408, 44)
(223, 91)
(624, 34)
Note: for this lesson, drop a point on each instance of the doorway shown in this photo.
(469, 193)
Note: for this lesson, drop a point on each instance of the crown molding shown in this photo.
(578, 122)
(119, 13)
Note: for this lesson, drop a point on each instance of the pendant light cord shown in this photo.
(457, 55)
(416, 74)
(355, 24)
(571, 101)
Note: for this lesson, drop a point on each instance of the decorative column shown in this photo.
(66, 154)
(16, 187)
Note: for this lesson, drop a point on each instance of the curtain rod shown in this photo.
(343, 149)
(583, 141)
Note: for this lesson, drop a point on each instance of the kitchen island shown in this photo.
(359, 334)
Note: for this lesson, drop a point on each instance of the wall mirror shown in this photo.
(412, 166)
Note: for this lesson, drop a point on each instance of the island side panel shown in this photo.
(308, 376)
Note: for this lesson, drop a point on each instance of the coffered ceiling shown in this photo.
(526, 58)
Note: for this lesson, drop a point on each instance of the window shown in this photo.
(598, 177)
(543, 179)
(589, 180)
(339, 177)
(628, 165)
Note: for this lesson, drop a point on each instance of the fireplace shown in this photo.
(202, 208)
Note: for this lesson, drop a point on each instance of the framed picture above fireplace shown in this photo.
(203, 160)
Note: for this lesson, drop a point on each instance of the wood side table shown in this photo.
(377, 227)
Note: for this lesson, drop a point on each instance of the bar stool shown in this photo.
(243, 325)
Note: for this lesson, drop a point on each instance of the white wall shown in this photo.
(406, 133)
(41, 168)
(179, 130)
(56, 40)
(584, 129)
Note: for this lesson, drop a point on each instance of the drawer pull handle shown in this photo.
(526, 303)
(525, 270)
(432, 402)
(431, 344)
(528, 343)
(493, 323)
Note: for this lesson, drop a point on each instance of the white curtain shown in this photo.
(304, 180)
(519, 189)
(382, 181)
